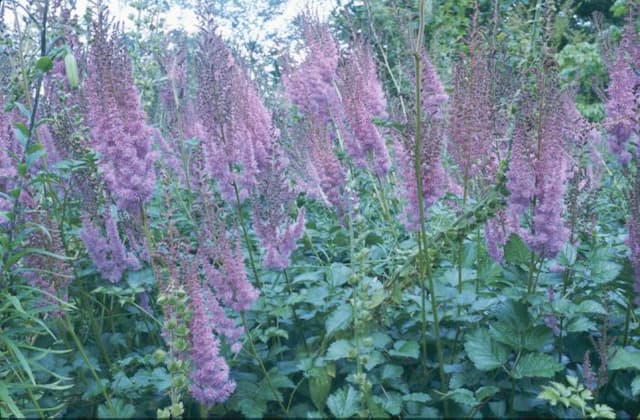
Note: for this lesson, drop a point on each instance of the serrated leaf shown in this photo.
(484, 352)
(405, 349)
(344, 403)
(592, 307)
(536, 338)
(391, 372)
(486, 392)
(505, 334)
(581, 324)
(536, 365)
(340, 349)
(339, 319)
(624, 358)
(462, 396)
(567, 257)
(603, 272)
(339, 274)
(516, 251)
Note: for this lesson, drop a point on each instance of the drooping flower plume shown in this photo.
(363, 100)
(469, 129)
(274, 201)
(537, 172)
(623, 104)
(433, 177)
(119, 132)
(235, 124)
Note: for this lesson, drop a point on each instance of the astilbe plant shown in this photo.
(537, 174)
(470, 134)
(310, 87)
(363, 100)
(235, 126)
(622, 107)
(7, 150)
(434, 178)
(273, 203)
(119, 132)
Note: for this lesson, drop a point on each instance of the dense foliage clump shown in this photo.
(427, 209)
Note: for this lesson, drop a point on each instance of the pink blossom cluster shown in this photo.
(622, 107)
(434, 180)
(363, 100)
(235, 127)
(108, 253)
(119, 132)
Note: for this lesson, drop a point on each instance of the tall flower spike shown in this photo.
(623, 104)
(363, 99)
(470, 131)
(118, 129)
(310, 85)
(210, 382)
(274, 201)
(434, 178)
(236, 125)
(8, 150)
(537, 172)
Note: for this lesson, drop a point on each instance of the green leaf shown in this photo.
(140, 279)
(71, 69)
(592, 307)
(567, 256)
(339, 319)
(516, 251)
(339, 274)
(21, 358)
(484, 352)
(535, 339)
(44, 63)
(635, 386)
(536, 365)
(6, 399)
(121, 410)
(603, 272)
(486, 392)
(320, 385)
(581, 324)
(393, 403)
(462, 396)
(405, 349)
(505, 334)
(624, 358)
(340, 349)
(391, 372)
(345, 402)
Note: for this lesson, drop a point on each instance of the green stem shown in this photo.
(461, 239)
(422, 237)
(245, 234)
(298, 324)
(80, 347)
(627, 322)
(257, 357)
